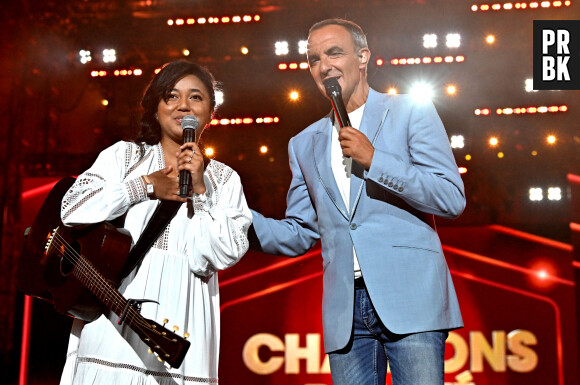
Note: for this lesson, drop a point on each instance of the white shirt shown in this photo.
(342, 166)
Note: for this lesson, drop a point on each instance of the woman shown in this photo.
(207, 234)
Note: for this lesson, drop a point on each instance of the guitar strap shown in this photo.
(158, 222)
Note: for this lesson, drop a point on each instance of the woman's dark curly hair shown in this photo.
(160, 88)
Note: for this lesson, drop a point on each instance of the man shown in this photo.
(369, 192)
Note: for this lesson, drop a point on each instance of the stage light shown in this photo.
(263, 149)
(109, 55)
(430, 40)
(534, 153)
(457, 141)
(462, 170)
(379, 62)
(493, 141)
(551, 139)
(282, 66)
(85, 56)
(490, 39)
(536, 194)
(185, 52)
(451, 90)
(302, 46)
(209, 151)
(105, 102)
(554, 193)
(524, 110)
(392, 91)
(219, 98)
(421, 92)
(468, 157)
(281, 48)
(500, 155)
(453, 40)
(293, 66)
(294, 96)
(244, 50)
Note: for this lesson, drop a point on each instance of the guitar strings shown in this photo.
(86, 267)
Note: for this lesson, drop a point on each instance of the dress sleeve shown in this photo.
(102, 192)
(217, 233)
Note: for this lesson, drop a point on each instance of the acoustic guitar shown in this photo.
(77, 270)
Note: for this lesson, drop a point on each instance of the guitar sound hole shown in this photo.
(67, 263)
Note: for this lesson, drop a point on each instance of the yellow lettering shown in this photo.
(310, 353)
(524, 359)
(461, 355)
(495, 355)
(251, 357)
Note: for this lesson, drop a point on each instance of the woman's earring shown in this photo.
(156, 116)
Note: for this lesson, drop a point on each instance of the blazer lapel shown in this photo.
(321, 156)
(372, 122)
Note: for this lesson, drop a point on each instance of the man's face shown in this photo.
(332, 54)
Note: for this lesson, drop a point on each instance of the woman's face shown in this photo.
(189, 96)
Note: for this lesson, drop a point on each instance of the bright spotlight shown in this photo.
(457, 141)
(490, 39)
(263, 149)
(294, 95)
(421, 92)
(302, 46)
(493, 141)
(554, 193)
(281, 48)
(430, 40)
(536, 194)
(453, 40)
(244, 50)
(85, 56)
(451, 89)
(551, 139)
(209, 151)
(219, 98)
(109, 55)
(392, 91)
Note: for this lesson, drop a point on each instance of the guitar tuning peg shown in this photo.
(165, 321)
(150, 351)
(175, 328)
(160, 359)
(186, 335)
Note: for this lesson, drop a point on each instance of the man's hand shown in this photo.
(356, 145)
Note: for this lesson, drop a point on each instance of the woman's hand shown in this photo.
(166, 187)
(190, 158)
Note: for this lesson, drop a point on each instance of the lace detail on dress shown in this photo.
(239, 232)
(136, 190)
(133, 154)
(162, 241)
(68, 199)
(147, 371)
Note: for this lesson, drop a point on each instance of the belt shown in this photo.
(359, 283)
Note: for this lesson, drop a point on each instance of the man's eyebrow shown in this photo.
(334, 49)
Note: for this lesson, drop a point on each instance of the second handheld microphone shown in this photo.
(189, 124)
(334, 92)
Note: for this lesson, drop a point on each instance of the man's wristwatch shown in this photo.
(148, 185)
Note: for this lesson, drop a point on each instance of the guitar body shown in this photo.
(78, 269)
(48, 276)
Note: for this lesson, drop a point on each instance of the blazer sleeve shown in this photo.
(424, 174)
(298, 231)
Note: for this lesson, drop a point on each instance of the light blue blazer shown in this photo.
(390, 220)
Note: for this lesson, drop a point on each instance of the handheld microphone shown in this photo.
(189, 124)
(334, 92)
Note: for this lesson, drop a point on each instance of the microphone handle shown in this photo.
(340, 110)
(184, 175)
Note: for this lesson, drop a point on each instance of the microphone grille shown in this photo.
(189, 121)
(332, 86)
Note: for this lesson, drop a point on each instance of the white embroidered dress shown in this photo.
(179, 271)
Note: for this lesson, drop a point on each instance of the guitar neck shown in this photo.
(90, 277)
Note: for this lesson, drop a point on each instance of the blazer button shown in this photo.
(353, 226)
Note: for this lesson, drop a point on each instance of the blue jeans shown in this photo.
(414, 359)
